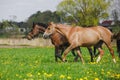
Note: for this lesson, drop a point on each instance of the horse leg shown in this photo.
(95, 50)
(57, 53)
(79, 54)
(76, 57)
(112, 52)
(63, 49)
(73, 52)
(100, 55)
(96, 47)
(118, 46)
(91, 53)
(67, 51)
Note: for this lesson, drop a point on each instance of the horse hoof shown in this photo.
(64, 60)
(75, 60)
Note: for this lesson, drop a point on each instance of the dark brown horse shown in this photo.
(58, 40)
(84, 37)
(117, 37)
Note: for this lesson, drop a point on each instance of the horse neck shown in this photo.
(58, 39)
(42, 29)
(63, 30)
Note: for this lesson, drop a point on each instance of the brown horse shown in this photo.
(83, 37)
(117, 37)
(57, 40)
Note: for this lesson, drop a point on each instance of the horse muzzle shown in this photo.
(45, 36)
(29, 37)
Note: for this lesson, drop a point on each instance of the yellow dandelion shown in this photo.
(49, 75)
(81, 79)
(62, 76)
(117, 75)
(96, 79)
(38, 73)
(95, 73)
(36, 62)
(92, 63)
(102, 69)
(45, 73)
(87, 72)
(17, 75)
(108, 72)
(29, 75)
(85, 78)
(69, 77)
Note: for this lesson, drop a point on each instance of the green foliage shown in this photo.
(8, 29)
(39, 64)
(84, 12)
(43, 17)
(5, 24)
(116, 29)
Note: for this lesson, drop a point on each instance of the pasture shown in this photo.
(39, 64)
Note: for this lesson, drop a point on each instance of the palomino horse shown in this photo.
(83, 37)
(57, 40)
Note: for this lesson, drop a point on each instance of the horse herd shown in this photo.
(68, 38)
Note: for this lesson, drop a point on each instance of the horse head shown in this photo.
(50, 30)
(36, 29)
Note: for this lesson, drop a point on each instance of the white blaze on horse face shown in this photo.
(49, 31)
(99, 58)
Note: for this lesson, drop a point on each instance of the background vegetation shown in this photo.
(84, 12)
(75, 12)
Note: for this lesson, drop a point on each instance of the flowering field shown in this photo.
(39, 64)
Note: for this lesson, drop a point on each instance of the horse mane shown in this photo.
(42, 24)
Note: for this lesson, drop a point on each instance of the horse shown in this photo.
(82, 37)
(117, 37)
(57, 40)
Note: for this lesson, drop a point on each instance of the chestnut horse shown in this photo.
(59, 41)
(83, 37)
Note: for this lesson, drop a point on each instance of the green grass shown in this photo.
(39, 64)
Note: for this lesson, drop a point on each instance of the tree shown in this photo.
(43, 17)
(116, 18)
(84, 12)
(115, 15)
(116, 11)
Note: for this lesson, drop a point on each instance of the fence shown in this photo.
(20, 42)
(25, 42)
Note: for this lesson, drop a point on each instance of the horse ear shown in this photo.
(33, 24)
(50, 23)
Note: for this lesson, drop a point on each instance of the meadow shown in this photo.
(39, 64)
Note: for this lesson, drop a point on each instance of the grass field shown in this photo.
(39, 64)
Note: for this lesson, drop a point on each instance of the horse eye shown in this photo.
(48, 28)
